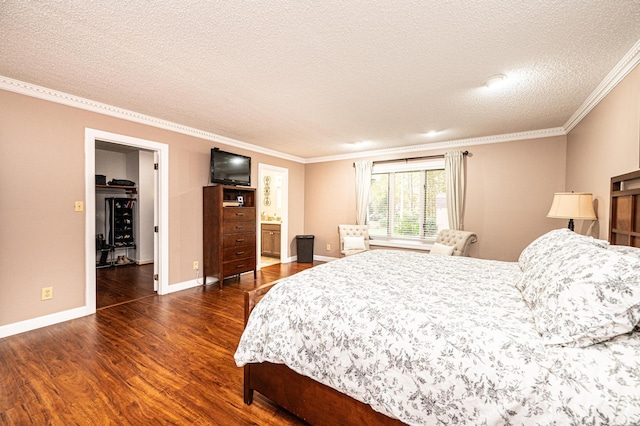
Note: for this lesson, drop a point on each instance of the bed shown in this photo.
(381, 338)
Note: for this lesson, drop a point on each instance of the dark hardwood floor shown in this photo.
(154, 360)
(119, 284)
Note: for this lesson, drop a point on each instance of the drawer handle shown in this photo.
(239, 214)
(240, 266)
(238, 253)
(239, 240)
(239, 227)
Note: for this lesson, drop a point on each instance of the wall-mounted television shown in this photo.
(230, 169)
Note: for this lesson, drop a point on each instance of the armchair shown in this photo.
(353, 239)
(460, 240)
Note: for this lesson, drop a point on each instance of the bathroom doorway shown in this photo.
(273, 190)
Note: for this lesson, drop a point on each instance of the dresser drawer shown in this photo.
(239, 214)
(238, 227)
(238, 240)
(237, 267)
(237, 253)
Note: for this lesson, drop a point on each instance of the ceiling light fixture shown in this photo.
(431, 133)
(359, 144)
(495, 80)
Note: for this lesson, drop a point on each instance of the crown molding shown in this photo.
(624, 67)
(51, 95)
(486, 140)
(615, 76)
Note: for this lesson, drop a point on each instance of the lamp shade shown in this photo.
(572, 205)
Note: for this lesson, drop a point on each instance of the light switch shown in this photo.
(79, 206)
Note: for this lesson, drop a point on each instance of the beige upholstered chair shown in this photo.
(460, 240)
(357, 239)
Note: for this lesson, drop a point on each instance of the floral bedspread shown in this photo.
(438, 340)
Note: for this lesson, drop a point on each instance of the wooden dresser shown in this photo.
(229, 231)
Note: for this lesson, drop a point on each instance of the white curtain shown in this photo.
(454, 172)
(363, 188)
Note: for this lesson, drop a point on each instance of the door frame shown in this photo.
(284, 226)
(161, 151)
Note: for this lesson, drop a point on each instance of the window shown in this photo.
(408, 201)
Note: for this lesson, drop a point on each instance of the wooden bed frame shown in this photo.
(624, 218)
(321, 405)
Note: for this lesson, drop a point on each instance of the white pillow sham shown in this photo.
(551, 242)
(442, 249)
(354, 243)
(582, 294)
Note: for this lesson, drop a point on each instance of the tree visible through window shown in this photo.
(408, 204)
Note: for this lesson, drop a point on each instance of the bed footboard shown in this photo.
(251, 298)
(310, 400)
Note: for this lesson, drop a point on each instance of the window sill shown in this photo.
(406, 244)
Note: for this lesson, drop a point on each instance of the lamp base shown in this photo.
(570, 224)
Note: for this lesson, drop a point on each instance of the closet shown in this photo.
(129, 237)
(124, 224)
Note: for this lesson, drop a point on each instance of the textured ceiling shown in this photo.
(312, 78)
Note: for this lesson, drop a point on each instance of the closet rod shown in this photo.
(406, 160)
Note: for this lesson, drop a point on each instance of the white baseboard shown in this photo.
(324, 258)
(315, 257)
(185, 285)
(58, 317)
(43, 321)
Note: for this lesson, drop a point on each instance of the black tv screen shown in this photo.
(230, 169)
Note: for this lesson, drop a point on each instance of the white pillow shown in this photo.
(354, 243)
(442, 249)
(552, 242)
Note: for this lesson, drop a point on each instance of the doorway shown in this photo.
(273, 211)
(159, 227)
(125, 212)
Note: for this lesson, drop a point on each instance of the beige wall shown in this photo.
(605, 144)
(42, 174)
(510, 187)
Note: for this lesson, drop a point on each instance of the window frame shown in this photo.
(416, 243)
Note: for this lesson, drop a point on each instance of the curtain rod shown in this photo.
(406, 160)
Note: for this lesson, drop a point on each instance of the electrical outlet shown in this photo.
(328, 247)
(79, 206)
(47, 293)
(196, 265)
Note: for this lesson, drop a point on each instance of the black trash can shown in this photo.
(305, 248)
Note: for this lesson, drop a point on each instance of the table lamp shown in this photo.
(572, 205)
